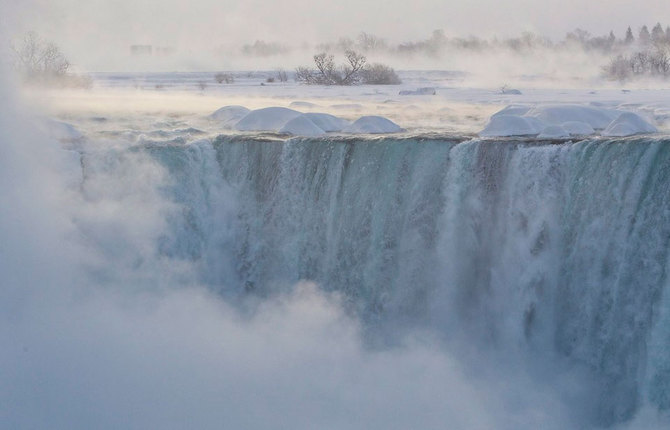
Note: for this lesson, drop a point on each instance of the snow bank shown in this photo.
(266, 119)
(227, 116)
(628, 124)
(559, 121)
(302, 126)
(511, 125)
(327, 122)
(373, 125)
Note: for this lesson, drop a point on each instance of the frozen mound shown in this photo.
(559, 121)
(511, 125)
(513, 110)
(578, 128)
(628, 124)
(427, 91)
(302, 126)
(266, 119)
(61, 130)
(300, 104)
(373, 125)
(229, 115)
(553, 132)
(327, 122)
(350, 106)
(598, 118)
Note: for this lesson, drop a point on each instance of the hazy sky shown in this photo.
(85, 28)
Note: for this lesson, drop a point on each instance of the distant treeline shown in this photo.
(438, 42)
(635, 53)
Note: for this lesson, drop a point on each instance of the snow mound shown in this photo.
(373, 125)
(426, 91)
(229, 115)
(553, 132)
(511, 125)
(327, 122)
(628, 124)
(598, 118)
(578, 128)
(302, 126)
(266, 119)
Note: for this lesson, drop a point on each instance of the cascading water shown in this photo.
(558, 250)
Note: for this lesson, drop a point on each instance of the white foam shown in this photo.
(61, 130)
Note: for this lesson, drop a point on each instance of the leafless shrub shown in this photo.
(282, 76)
(379, 74)
(228, 78)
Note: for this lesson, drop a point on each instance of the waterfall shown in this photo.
(558, 249)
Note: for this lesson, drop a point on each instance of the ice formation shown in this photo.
(558, 121)
(374, 125)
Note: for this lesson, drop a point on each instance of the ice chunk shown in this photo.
(302, 126)
(327, 122)
(578, 128)
(628, 124)
(512, 125)
(227, 116)
(553, 132)
(374, 125)
(266, 119)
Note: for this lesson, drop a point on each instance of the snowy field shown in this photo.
(426, 102)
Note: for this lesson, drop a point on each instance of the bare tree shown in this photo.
(36, 58)
(327, 73)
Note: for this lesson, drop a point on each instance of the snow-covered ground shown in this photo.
(144, 106)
